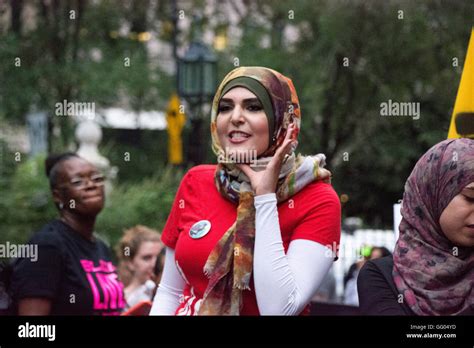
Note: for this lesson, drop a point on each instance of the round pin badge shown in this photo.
(200, 229)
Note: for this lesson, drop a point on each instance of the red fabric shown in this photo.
(142, 308)
(313, 214)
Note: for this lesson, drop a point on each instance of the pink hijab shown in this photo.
(434, 276)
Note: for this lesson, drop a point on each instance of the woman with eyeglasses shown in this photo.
(73, 272)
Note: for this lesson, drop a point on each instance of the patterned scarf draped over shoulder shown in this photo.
(229, 266)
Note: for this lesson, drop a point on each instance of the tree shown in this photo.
(348, 58)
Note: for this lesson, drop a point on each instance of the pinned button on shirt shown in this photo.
(200, 229)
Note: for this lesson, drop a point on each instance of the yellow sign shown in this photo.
(175, 119)
(462, 120)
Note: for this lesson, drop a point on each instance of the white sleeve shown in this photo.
(170, 289)
(284, 284)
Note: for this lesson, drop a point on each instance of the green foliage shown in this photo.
(147, 203)
(85, 59)
(146, 151)
(405, 59)
(25, 203)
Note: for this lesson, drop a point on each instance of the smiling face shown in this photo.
(79, 187)
(242, 126)
(457, 219)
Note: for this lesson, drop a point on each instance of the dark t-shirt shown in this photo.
(378, 294)
(76, 274)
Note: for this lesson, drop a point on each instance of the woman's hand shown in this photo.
(265, 181)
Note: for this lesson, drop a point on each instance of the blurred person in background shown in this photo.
(378, 252)
(73, 273)
(140, 253)
(351, 297)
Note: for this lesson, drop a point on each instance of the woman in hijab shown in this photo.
(432, 269)
(256, 233)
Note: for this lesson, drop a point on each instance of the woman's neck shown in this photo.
(84, 225)
(134, 284)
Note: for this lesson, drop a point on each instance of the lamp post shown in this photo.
(197, 75)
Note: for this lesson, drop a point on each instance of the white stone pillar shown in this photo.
(89, 135)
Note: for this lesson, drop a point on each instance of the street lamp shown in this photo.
(197, 73)
(197, 78)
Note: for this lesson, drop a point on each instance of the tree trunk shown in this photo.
(16, 7)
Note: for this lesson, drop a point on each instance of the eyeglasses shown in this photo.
(81, 182)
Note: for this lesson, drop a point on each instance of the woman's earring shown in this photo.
(61, 205)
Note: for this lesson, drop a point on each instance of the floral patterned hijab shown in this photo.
(434, 276)
(229, 266)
